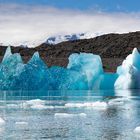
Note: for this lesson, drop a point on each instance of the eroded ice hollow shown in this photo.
(84, 72)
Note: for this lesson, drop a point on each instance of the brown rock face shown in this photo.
(112, 48)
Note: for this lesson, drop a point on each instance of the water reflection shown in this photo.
(109, 114)
(58, 93)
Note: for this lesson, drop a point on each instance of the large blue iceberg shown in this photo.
(84, 72)
(88, 65)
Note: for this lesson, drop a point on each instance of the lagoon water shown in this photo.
(70, 115)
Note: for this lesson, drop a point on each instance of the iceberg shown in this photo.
(107, 81)
(83, 72)
(10, 69)
(129, 72)
(34, 75)
(64, 79)
(87, 64)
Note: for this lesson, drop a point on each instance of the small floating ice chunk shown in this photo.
(36, 104)
(12, 106)
(21, 123)
(36, 101)
(2, 121)
(67, 115)
(94, 105)
(137, 130)
(97, 105)
(59, 107)
(41, 107)
(83, 115)
(74, 105)
(63, 115)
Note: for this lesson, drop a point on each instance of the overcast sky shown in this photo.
(32, 21)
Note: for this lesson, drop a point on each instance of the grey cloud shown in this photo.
(21, 24)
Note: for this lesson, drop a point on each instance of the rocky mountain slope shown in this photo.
(112, 48)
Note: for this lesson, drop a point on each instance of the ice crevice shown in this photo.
(83, 72)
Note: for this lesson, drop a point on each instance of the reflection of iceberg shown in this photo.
(84, 72)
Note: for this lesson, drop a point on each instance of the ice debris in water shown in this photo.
(84, 72)
(67, 115)
(34, 104)
(2, 121)
(21, 123)
(95, 105)
(137, 130)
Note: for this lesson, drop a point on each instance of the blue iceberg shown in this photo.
(84, 72)
(88, 65)
(64, 79)
(34, 75)
(10, 69)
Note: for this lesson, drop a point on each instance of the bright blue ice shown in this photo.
(64, 79)
(87, 64)
(84, 72)
(34, 75)
(107, 81)
(10, 69)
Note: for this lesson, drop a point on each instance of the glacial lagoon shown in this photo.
(70, 115)
(80, 102)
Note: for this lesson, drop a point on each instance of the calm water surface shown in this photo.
(69, 115)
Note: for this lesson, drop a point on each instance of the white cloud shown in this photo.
(21, 24)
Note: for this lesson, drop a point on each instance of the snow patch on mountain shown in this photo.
(53, 40)
(72, 37)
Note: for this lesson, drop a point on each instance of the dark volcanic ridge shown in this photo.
(113, 48)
